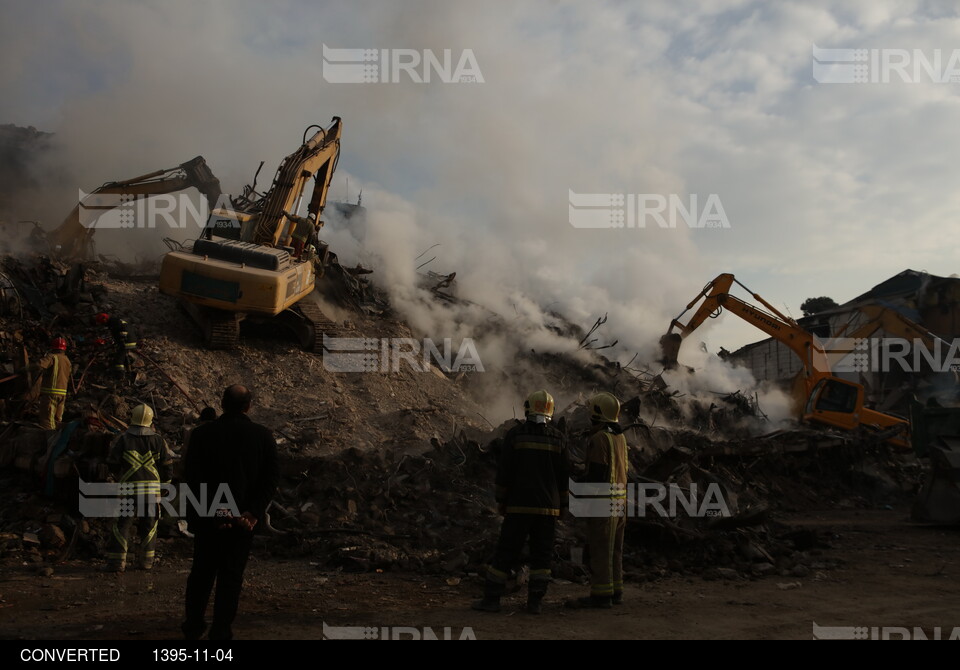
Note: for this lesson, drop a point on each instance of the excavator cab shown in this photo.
(838, 403)
(834, 402)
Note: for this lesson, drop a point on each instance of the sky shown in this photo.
(828, 188)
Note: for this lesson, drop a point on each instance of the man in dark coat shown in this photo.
(234, 461)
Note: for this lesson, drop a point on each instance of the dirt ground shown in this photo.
(892, 574)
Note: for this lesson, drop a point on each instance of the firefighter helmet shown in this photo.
(142, 416)
(59, 344)
(101, 319)
(605, 408)
(539, 403)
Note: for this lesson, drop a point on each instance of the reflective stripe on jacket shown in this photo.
(142, 457)
(532, 472)
(56, 374)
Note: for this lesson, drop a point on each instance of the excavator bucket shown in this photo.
(670, 348)
(199, 174)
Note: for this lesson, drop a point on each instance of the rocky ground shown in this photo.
(887, 573)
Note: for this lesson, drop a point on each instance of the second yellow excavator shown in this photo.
(254, 260)
(819, 396)
(73, 239)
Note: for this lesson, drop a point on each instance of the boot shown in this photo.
(114, 566)
(617, 598)
(487, 604)
(590, 602)
(492, 591)
(221, 633)
(536, 590)
(193, 630)
(534, 603)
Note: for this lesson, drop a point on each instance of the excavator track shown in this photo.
(318, 324)
(221, 330)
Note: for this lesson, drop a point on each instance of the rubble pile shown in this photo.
(435, 513)
(395, 472)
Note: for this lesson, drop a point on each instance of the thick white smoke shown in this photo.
(669, 98)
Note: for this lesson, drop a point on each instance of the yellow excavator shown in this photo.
(819, 397)
(73, 239)
(254, 259)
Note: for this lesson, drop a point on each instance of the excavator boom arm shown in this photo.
(72, 239)
(716, 297)
(317, 157)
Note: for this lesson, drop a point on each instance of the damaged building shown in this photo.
(911, 321)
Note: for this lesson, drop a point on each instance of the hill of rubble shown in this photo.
(394, 470)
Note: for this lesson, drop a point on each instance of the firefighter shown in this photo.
(142, 461)
(606, 460)
(125, 343)
(531, 492)
(55, 374)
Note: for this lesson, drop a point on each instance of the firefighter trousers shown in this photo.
(117, 547)
(540, 529)
(605, 535)
(51, 410)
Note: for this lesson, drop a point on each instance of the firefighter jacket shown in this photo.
(141, 458)
(532, 476)
(55, 374)
(606, 458)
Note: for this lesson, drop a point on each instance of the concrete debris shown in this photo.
(51, 537)
(387, 473)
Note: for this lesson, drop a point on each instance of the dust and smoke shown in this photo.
(477, 173)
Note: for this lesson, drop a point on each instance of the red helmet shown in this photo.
(101, 319)
(59, 344)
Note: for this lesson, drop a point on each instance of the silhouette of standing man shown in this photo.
(236, 452)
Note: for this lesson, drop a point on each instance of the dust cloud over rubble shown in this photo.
(491, 225)
(461, 241)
